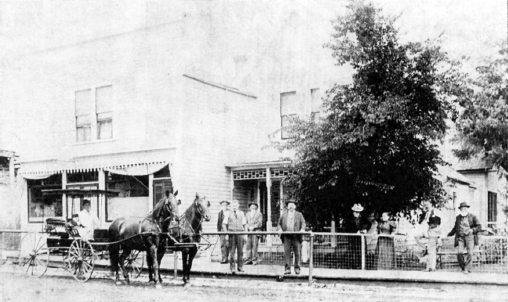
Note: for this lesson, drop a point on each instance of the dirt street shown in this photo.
(56, 287)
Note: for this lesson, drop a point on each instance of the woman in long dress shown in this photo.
(385, 250)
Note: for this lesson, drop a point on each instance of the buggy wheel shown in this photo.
(34, 254)
(80, 260)
(134, 263)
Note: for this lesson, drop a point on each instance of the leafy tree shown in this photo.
(376, 144)
(482, 127)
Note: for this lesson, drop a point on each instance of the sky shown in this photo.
(468, 27)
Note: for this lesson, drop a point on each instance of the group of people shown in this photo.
(429, 234)
(231, 220)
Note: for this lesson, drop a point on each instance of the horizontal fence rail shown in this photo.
(323, 253)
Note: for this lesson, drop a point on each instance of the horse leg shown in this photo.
(125, 254)
(113, 260)
(149, 263)
(153, 253)
(160, 253)
(185, 255)
(192, 253)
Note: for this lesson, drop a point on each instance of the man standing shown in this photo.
(88, 221)
(355, 224)
(224, 246)
(466, 231)
(430, 227)
(234, 221)
(254, 224)
(291, 221)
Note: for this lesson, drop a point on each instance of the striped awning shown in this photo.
(118, 161)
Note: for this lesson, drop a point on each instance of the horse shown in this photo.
(188, 231)
(144, 235)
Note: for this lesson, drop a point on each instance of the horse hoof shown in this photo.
(158, 286)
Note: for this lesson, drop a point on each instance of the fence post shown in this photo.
(362, 237)
(2, 246)
(311, 256)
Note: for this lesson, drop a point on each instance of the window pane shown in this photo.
(288, 104)
(104, 99)
(83, 102)
(316, 101)
(39, 206)
(285, 123)
(105, 129)
(83, 133)
(83, 120)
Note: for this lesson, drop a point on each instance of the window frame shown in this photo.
(491, 207)
(95, 121)
(284, 115)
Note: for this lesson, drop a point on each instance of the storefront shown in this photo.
(139, 180)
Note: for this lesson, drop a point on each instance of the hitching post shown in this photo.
(311, 256)
(363, 251)
(175, 257)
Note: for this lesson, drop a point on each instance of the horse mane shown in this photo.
(156, 212)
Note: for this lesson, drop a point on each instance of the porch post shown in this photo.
(231, 185)
(102, 197)
(64, 196)
(268, 206)
(150, 192)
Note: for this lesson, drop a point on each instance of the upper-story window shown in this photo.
(288, 108)
(104, 112)
(94, 114)
(316, 104)
(82, 113)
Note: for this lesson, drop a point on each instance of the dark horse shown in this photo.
(144, 235)
(188, 231)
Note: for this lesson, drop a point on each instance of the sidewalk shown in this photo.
(203, 265)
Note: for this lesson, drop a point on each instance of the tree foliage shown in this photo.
(375, 144)
(483, 123)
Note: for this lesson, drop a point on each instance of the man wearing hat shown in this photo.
(355, 224)
(254, 224)
(224, 246)
(291, 221)
(234, 221)
(88, 221)
(466, 231)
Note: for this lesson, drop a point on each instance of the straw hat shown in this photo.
(357, 207)
(463, 205)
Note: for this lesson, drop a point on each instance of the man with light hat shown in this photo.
(466, 231)
(291, 221)
(224, 246)
(234, 221)
(254, 224)
(355, 224)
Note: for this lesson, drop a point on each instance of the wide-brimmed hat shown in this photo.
(235, 202)
(254, 203)
(291, 200)
(357, 207)
(463, 205)
(224, 201)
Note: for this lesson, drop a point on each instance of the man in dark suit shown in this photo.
(291, 221)
(355, 224)
(466, 231)
(224, 246)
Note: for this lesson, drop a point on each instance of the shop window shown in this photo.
(104, 112)
(83, 103)
(132, 199)
(41, 207)
(92, 176)
(75, 203)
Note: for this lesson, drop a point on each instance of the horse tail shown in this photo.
(114, 249)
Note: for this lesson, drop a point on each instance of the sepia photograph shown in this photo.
(253, 150)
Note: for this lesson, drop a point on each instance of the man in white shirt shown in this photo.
(234, 221)
(88, 221)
